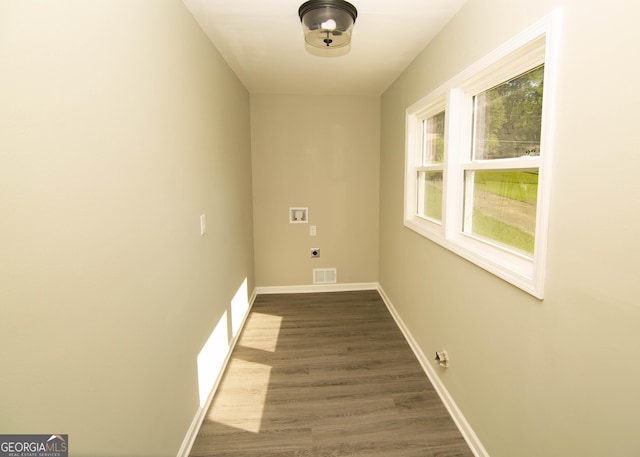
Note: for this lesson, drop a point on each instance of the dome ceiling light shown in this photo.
(327, 26)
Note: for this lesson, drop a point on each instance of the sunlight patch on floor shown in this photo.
(265, 329)
(244, 411)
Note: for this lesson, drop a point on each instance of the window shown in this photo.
(478, 160)
(430, 170)
(500, 197)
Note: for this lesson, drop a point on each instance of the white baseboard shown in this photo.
(317, 288)
(194, 428)
(465, 429)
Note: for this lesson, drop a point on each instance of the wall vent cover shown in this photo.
(325, 275)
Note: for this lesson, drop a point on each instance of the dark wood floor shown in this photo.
(325, 375)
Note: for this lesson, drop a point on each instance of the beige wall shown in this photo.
(320, 152)
(119, 125)
(557, 377)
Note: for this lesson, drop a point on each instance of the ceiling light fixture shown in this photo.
(327, 26)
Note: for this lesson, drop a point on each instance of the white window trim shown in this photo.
(430, 107)
(536, 45)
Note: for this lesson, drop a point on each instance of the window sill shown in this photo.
(518, 270)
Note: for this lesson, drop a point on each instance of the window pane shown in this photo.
(503, 206)
(430, 194)
(433, 139)
(507, 118)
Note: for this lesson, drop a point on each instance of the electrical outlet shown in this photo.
(442, 358)
(315, 252)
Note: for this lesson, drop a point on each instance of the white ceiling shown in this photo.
(262, 42)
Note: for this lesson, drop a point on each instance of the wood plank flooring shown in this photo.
(326, 374)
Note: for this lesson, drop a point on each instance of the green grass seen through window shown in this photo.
(517, 185)
(494, 229)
